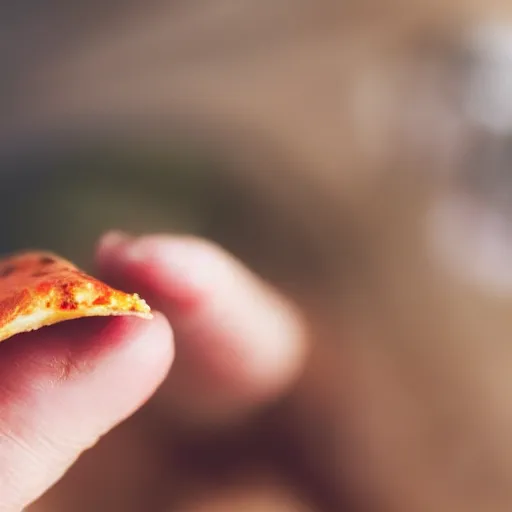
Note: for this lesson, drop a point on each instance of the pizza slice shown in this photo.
(39, 289)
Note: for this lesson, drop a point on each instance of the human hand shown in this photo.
(63, 387)
(239, 343)
(240, 346)
(405, 427)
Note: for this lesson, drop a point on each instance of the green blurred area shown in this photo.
(69, 201)
(64, 203)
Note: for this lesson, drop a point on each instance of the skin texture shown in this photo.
(168, 455)
(355, 403)
(52, 380)
(237, 337)
(241, 368)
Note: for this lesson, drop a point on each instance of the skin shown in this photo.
(66, 386)
(240, 348)
(405, 400)
(63, 388)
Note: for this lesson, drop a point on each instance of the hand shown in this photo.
(382, 409)
(240, 346)
(63, 387)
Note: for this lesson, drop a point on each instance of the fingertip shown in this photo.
(65, 386)
(69, 354)
(239, 343)
(109, 245)
(145, 345)
(169, 269)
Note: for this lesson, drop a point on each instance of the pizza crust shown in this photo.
(38, 289)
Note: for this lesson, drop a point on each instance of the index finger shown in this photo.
(239, 343)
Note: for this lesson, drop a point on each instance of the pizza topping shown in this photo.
(38, 289)
(40, 273)
(8, 270)
(47, 260)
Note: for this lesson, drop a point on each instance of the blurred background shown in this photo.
(315, 139)
(167, 117)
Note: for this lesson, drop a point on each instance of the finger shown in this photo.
(63, 387)
(238, 343)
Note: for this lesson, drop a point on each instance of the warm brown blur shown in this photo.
(368, 143)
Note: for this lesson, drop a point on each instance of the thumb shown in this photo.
(63, 387)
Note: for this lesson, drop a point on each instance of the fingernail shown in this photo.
(135, 252)
(177, 254)
(197, 263)
(113, 240)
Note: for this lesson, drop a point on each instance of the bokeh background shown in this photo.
(313, 138)
(168, 116)
(183, 117)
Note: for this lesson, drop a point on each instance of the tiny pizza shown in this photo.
(40, 288)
